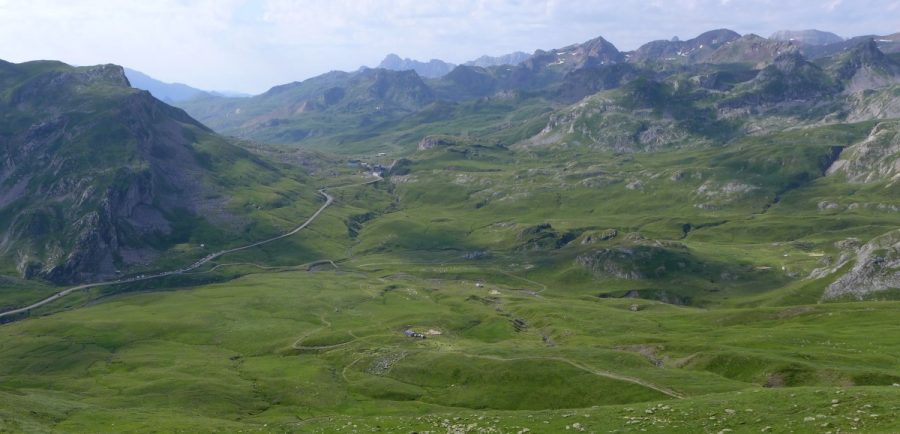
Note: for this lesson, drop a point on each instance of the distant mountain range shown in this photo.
(170, 92)
(514, 58)
(720, 70)
(436, 68)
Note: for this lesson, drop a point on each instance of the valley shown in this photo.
(694, 236)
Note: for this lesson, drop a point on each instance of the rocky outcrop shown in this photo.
(876, 268)
(431, 142)
(875, 159)
(638, 262)
(544, 237)
(882, 103)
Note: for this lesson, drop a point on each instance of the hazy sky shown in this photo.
(251, 45)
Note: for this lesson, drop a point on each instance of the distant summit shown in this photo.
(692, 50)
(809, 37)
(168, 92)
(506, 59)
(434, 68)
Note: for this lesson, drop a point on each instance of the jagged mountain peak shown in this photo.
(431, 69)
(866, 53)
(598, 51)
(589, 54)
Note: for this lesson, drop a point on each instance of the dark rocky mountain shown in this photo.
(582, 82)
(98, 177)
(789, 78)
(466, 82)
(807, 37)
(750, 49)
(594, 53)
(720, 46)
(865, 67)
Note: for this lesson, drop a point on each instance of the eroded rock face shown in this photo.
(430, 142)
(877, 268)
(875, 159)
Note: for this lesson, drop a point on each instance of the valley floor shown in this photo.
(325, 351)
(709, 327)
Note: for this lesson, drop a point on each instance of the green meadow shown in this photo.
(557, 290)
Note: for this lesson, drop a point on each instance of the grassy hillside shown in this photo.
(324, 351)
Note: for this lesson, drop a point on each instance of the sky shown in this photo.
(252, 45)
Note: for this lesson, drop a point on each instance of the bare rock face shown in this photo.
(877, 268)
(431, 142)
(875, 159)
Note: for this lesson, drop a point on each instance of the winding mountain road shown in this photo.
(328, 201)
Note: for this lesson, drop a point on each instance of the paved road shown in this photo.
(328, 201)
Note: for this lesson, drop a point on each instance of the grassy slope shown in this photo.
(222, 356)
